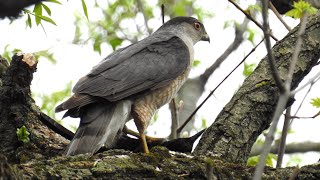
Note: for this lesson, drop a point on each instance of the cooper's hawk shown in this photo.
(132, 82)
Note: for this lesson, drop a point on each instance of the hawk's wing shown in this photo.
(148, 64)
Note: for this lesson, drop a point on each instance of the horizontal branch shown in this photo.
(291, 148)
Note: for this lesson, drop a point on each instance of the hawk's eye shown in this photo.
(197, 26)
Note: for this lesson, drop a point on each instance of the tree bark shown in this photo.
(250, 110)
(159, 164)
(17, 109)
(221, 153)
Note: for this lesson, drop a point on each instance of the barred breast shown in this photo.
(144, 107)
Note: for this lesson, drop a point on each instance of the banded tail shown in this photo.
(100, 125)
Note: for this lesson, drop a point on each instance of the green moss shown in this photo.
(261, 84)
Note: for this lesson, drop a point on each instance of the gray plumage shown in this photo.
(103, 99)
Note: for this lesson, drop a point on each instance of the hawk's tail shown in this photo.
(100, 125)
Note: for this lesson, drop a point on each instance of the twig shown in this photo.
(284, 96)
(301, 147)
(250, 17)
(162, 13)
(282, 146)
(275, 11)
(140, 7)
(211, 93)
(266, 31)
(174, 118)
(313, 80)
(238, 39)
(296, 52)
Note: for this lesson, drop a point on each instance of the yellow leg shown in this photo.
(135, 134)
(144, 143)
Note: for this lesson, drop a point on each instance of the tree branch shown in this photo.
(291, 148)
(250, 110)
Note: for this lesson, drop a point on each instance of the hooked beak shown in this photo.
(205, 37)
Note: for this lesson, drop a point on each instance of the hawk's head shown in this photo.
(188, 26)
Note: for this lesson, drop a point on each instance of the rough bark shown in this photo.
(250, 110)
(17, 108)
(229, 139)
(159, 164)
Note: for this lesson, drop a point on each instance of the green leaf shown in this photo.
(46, 54)
(37, 12)
(299, 8)
(23, 134)
(46, 8)
(315, 102)
(253, 161)
(203, 123)
(115, 42)
(54, 1)
(29, 21)
(248, 69)
(45, 18)
(49, 102)
(196, 63)
(251, 35)
(97, 44)
(84, 6)
(270, 158)
(228, 24)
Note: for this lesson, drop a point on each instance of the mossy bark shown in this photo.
(250, 110)
(220, 154)
(17, 109)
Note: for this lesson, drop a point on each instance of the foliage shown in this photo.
(248, 69)
(49, 102)
(23, 134)
(109, 30)
(38, 15)
(84, 7)
(196, 63)
(315, 102)
(253, 161)
(299, 8)
(294, 160)
(8, 53)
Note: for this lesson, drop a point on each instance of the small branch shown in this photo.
(275, 11)
(311, 81)
(282, 145)
(250, 17)
(174, 118)
(238, 39)
(285, 93)
(211, 93)
(141, 9)
(162, 13)
(297, 49)
(300, 147)
(266, 31)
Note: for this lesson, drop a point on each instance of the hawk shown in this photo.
(132, 82)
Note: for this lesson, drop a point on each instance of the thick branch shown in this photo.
(17, 109)
(250, 110)
(291, 148)
(160, 164)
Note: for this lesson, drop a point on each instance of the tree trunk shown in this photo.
(250, 110)
(221, 153)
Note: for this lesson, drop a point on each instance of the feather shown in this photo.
(100, 125)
